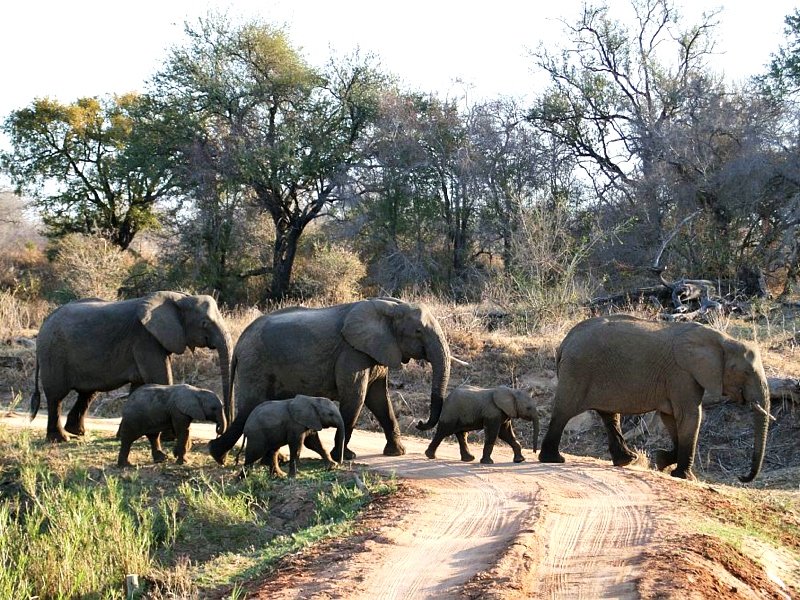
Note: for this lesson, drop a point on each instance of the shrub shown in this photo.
(329, 273)
(87, 266)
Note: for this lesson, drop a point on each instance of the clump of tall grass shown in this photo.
(70, 539)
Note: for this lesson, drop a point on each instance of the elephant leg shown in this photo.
(442, 431)
(665, 458)
(688, 428)
(126, 440)
(181, 444)
(76, 417)
(552, 439)
(295, 446)
(377, 400)
(153, 363)
(507, 435)
(254, 450)
(463, 446)
(274, 466)
(351, 400)
(491, 429)
(312, 442)
(155, 447)
(621, 455)
(55, 433)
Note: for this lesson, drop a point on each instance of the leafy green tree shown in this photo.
(783, 76)
(89, 165)
(290, 134)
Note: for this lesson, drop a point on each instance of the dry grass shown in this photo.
(488, 337)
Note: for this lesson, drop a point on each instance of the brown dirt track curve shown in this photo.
(528, 530)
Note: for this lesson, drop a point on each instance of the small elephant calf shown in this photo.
(469, 408)
(277, 422)
(152, 408)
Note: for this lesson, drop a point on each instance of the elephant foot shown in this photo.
(181, 460)
(625, 459)
(58, 436)
(348, 454)
(519, 459)
(75, 429)
(430, 453)
(487, 460)
(159, 457)
(331, 465)
(684, 474)
(550, 457)
(664, 459)
(394, 449)
(467, 457)
(125, 464)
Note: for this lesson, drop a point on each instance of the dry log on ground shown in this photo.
(784, 388)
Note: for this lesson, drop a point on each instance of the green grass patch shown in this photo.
(73, 525)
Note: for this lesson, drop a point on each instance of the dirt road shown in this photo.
(576, 530)
(579, 529)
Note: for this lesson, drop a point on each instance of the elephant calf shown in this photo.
(469, 408)
(153, 408)
(277, 422)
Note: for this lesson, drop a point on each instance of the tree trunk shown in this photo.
(283, 261)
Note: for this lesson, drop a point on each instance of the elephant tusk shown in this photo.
(760, 409)
(458, 361)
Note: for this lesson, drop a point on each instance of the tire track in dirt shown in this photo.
(584, 525)
(598, 522)
(593, 524)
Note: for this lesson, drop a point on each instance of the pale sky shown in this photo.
(72, 48)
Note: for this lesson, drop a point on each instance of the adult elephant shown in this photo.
(341, 352)
(95, 346)
(622, 364)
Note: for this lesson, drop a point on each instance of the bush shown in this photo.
(329, 273)
(87, 266)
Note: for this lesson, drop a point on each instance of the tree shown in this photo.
(783, 76)
(398, 220)
(89, 165)
(288, 133)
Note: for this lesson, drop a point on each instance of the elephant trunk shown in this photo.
(222, 423)
(338, 444)
(757, 395)
(222, 342)
(437, 353)
(219, 447)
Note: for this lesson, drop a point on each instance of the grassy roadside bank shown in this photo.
(73, 525)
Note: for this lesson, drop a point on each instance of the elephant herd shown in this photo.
(305, 360)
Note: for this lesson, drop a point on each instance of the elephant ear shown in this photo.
(160, 315)
(503, 399)
(703, 356)
(188, 402)
(368, 329)
(303, 410)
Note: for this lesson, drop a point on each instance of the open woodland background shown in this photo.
(244, 172)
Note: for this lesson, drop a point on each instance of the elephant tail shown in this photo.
(230, 401)
(36, 398)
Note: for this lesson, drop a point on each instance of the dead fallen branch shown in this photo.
(784, 388)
